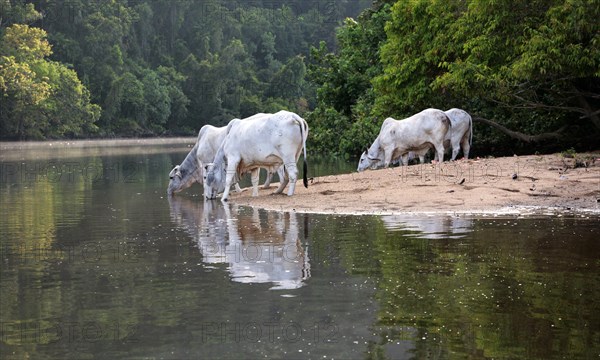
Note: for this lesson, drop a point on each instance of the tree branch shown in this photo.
(589, 112)
(595, 113)
(519, 135)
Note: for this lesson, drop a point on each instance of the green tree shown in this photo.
(418, 39)
(288, 83)
(125, 110)
(342, 120)
(186, 63)
(546, 62)
(532, 66)
(40, 98)
(68, 111)
(529, 66)
(17, 12)
(157, 102)
(173, 81)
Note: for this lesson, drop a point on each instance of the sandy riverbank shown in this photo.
(508, 184)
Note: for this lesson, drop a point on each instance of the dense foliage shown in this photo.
(532, 66)
(157, 67)
(40, 98)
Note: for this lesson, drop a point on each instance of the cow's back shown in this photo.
(210, 139)
(427, 126)
(259, 139)
(461, 122)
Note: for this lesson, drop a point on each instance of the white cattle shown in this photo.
(252, 143)
(460, 133)
(397, 137)
(184, 175)
(191, 170)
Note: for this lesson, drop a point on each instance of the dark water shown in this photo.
(98, 263)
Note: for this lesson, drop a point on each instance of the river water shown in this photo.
(97, 262)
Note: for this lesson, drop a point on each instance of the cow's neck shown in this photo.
(374, 149)
(190, 163)
(219, 161)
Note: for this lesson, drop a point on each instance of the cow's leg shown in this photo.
(387, 157)
(466, 147)
(404, 159)
(283, 181)
(228, 181)
(254, 176)
(292, 171)
(237, 188)
(455, 149)
(230, 176)
(269, 178)
(439, 149)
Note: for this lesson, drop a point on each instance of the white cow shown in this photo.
(191, 170)
(184, 175)
(461, 132)
(460, 135)
(252, 143)
(397, 137)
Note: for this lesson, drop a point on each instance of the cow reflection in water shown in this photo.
(429, 227)
(257, 246)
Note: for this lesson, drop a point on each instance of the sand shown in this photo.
(518, 184)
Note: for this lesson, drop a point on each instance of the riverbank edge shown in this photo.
(533, 185)
(507, 211)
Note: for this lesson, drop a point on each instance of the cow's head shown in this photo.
(213, 180)
(179, 179)
(368, 161)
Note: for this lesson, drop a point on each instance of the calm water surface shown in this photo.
(96, 262)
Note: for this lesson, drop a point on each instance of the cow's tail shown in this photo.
(304, 133)
(470, 131)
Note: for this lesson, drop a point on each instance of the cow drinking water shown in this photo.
(268, 141)
(192, 169)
